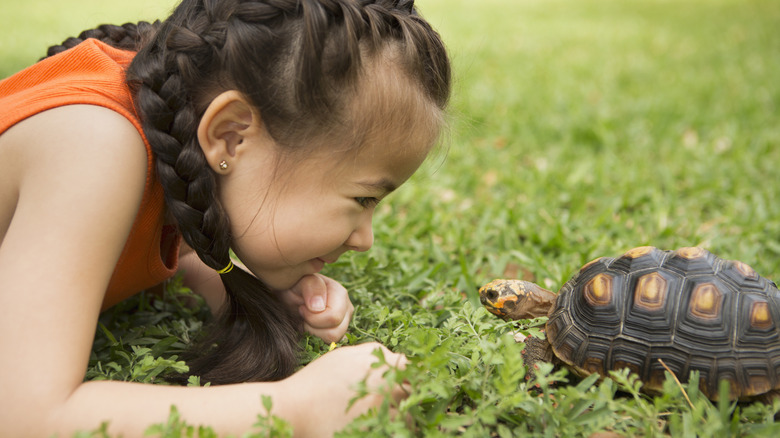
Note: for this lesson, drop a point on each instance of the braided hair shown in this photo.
(126, 37)
(297, 62)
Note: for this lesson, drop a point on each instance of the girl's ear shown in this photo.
(226, 123)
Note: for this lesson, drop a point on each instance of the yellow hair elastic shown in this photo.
(226, 269)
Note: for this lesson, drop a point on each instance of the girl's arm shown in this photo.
(73, 181)
(203, 280)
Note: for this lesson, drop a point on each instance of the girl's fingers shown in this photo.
(315, 293)
(330, 333)
(324, 305)
(338, 310)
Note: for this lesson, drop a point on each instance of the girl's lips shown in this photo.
(318, 264)
(329, 262)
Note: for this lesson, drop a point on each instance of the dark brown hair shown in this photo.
(298, 62)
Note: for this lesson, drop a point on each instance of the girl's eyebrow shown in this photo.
(383, 184)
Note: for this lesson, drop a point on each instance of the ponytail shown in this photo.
(242, 346)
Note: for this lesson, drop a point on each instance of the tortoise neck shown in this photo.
(540, 300)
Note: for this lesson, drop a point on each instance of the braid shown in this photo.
(298, 62)
(128, 36)
(260, 346)
(170, 123)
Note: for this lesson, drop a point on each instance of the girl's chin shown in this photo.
(281, 282)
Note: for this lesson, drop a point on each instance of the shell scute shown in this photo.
(598, 291)
(594, 364)
(596, 306)
(573, 344)
(638, 259)
(743, 277)
(691, 262)
(629, 353)
(651, 292)
(706, 302)
(655, 373)
(706, 318)
(650, 314)
(760, 318)
(758, 329)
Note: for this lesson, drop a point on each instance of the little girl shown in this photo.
(271, 128)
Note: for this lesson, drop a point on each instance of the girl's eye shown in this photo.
(367, 202)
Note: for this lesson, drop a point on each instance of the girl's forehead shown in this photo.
(377, 165)
(392, 152)
(389, 122)
(391, 107)
(401, 136)
(397, 156)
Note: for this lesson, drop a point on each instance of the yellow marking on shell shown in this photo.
(690, 253)
(745, 269)
(757, 385)
(651, 291)
(632, 367)
(733, 389)
(639, 251)
(705, 301)
(760, 316)
(593, 365)
(656, 380)
(598, 291)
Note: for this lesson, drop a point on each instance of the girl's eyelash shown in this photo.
(367, 201)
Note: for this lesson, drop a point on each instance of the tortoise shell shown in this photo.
(688, 308)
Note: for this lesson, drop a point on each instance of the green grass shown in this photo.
(579, 129)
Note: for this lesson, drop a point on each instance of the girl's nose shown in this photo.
(362, 238)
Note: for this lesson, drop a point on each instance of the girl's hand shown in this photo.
(329, 385)
(324, 305)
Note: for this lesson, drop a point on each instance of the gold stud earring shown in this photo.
(223, 165)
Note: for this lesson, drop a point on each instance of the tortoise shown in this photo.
(650, 309)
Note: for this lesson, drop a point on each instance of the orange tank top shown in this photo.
(93, 73)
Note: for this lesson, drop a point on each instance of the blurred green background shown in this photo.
(579, 128)
(28, 28)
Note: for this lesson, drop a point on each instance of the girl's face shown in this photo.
(316, 209)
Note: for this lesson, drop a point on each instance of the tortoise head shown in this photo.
(516, 299)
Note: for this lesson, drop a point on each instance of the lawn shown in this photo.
(578, 129)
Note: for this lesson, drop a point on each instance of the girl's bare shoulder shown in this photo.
(74, 128)
(72, 135)
(65, 150)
